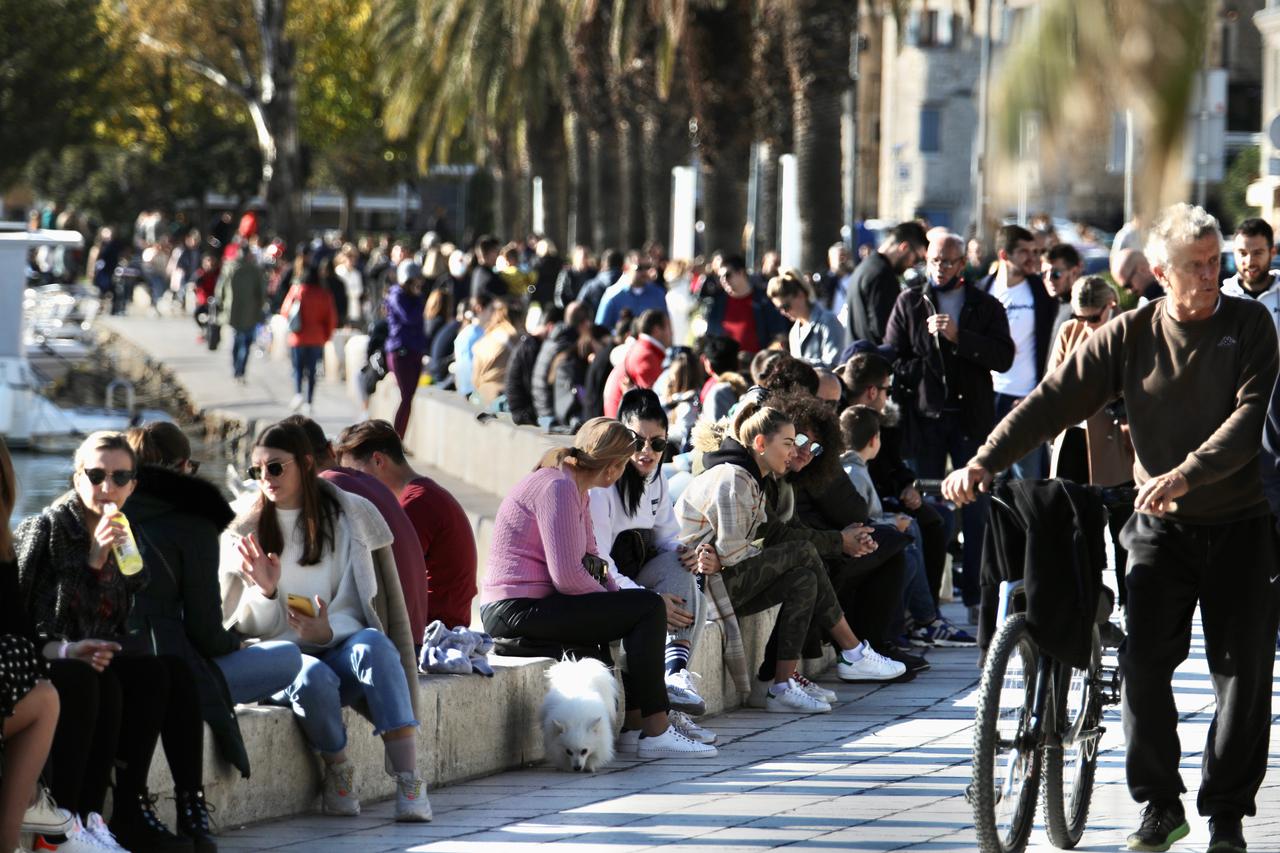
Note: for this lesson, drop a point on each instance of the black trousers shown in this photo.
(114, 719)
(638, 617)
(1230, 569)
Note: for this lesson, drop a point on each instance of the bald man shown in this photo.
(1132, 273)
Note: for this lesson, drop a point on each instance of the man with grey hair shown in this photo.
(947, 337)
(1196, 370)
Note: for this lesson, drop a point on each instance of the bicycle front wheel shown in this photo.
(1006, 752)
(1069, 769)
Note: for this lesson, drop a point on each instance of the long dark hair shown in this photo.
(319, 508)
(638, 404)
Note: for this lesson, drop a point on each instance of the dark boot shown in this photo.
(193, 820)
(136, 826)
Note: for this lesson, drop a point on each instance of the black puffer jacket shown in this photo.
(558, 375)
(177, 520)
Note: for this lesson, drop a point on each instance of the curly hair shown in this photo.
(817, 420)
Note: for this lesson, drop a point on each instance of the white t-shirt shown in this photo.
(1020, 307)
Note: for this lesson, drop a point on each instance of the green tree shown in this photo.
(1235, 188)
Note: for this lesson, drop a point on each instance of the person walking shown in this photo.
(406, 337)
(241, 297)
(1196, 370)
(874, 286)
(313, 317)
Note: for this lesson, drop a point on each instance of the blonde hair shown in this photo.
(105, 440)
(754, 419)
(600, 442)
(787, 284)
(1092, 291)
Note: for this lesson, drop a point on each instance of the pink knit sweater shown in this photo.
(542, 530)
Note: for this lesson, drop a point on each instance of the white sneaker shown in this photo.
(682, 695)
(794, 700)
(672, 744)
(682, 723)
(412, 805)
(45, 818)
(759, 692)
(339, 796)
(96, 828)
(296, 403)
(628, 742)
(78, 840)
(817, 691)
(872, 666)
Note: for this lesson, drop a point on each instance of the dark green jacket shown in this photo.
(241, 294)
(177, 519)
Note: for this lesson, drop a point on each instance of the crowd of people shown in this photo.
(742, 439)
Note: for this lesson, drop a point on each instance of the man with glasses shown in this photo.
(875, 284)
(1060, 268)
(948, 337)
(1031, 313)
(1196, 370)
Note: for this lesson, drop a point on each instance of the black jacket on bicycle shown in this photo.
(1056, 526)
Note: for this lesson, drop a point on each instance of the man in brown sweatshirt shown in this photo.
(1196, 370)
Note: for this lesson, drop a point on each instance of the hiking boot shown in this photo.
(339, 796)
(1226, 835)
(1162, 825)
(682, 693)
(412, 805)
(193, 820)
(137, 828)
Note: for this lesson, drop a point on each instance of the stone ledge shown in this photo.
(469, 726)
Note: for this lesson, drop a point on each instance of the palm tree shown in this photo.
(773, 116)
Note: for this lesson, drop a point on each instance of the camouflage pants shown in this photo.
(793, 575)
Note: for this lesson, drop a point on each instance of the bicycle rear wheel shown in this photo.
(1006, 753)
(1069, 770)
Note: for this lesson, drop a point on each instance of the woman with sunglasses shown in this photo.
(178, 518)
(546, 582)
(311, 564)
(637, 534)
(816, 335)
(75, 590)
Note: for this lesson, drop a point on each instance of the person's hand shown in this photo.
(108, 534)
(258, 568)
(942, 324)
(677, 617)
(1159, 495)
(902, 522)
(312, 629)
(688, 557)
(96, 653)
(708, 560)
(963, 485)
(856, 540)
(911, 498)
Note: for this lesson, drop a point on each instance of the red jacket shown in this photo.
(642, 365)
(319, 315)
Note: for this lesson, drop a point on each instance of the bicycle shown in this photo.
(1037, 719)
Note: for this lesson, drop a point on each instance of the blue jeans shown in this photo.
(261, 670)
(1033, 466)
(945, 437)
(915, 580)
(240, 351)
(366, 665)
(305, 360)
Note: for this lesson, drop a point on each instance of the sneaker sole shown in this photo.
(921, 644)
(1175, 835)
(1227, 847)
(335, 813)
(680, 753)
(414, 818)
(956, 644)
(777, 709)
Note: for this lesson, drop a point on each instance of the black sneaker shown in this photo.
(1226, 835)
(1162, 824)
(137, 829)
(914, 663)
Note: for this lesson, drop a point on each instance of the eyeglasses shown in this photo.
(657, 442)
(98, 475)
(1088, 318)
(273, 469)
(803, 442)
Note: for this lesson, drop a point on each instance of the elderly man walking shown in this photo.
(1196, 370)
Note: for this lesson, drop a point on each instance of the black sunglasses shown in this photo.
(657, 442)
(273, 469)
(120, 478)
(1087, 318)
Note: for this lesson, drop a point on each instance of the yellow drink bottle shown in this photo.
(128, 557)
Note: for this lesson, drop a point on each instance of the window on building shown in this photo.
(930, 130)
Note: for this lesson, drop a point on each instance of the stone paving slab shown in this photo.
(886, 771)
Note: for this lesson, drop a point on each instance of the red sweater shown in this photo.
(319, 315)
(448, 549)
(642, 365)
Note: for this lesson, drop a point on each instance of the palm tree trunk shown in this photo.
(766, 234)
(817, 48)
(606, 232)
(666, 145)
(631, 200)
(549, 160)
(724, 200)
(580, 211)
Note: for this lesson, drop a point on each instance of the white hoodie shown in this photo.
(1269, 297)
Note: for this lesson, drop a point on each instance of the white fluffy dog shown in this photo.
(580, 715)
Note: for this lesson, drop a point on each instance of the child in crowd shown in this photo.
(861, 428)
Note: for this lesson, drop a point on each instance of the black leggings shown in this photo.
(638, 617)
(117, 716)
